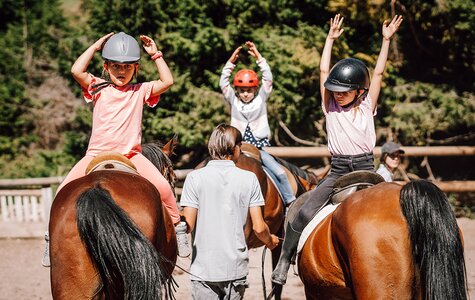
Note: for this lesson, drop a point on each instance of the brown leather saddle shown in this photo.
(111, 161)
(352, 182)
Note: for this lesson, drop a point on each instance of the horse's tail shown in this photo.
(129, 266)
(436, 243)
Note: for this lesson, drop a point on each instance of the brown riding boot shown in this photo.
(289, 247)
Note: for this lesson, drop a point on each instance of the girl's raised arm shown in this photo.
(78, 70)
(166, 77)
(388, 32)
(334, 33)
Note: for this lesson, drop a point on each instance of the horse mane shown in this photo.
(154, 153)
(437, 246)
(104, 227)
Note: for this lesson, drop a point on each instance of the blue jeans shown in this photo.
(340, 165)
(279, 176)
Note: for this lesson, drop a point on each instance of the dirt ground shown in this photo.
(23, 278)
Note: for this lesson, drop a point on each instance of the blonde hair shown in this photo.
(223, 140)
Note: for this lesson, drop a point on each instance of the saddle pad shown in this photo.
(271, 178)
(322, 214)
(111, 161)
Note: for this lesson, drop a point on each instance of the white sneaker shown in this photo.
(45, 261)
(184, 249)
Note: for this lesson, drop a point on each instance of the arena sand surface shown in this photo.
(23, 278)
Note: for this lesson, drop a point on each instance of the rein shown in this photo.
(264, 289)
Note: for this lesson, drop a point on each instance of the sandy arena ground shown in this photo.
(23, 278)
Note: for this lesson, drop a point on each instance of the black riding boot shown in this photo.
(289, 248)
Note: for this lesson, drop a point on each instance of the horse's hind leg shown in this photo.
(379, 263)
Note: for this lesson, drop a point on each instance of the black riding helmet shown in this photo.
(346, 75)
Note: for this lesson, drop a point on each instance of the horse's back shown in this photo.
(363, 246)
(72, 273)
(134, 194)
(273, 211)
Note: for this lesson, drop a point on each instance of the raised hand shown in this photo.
(235, 55)
(253, 50)
(335, 27)
(100, 42)
(149, 45)
(389, 30)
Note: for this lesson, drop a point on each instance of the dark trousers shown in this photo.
(340, 165)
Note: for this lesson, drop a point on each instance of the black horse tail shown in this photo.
(128, 264)
(436, 243)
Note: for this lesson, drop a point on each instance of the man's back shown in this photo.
(223, 194)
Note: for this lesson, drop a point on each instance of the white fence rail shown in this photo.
(25, 212)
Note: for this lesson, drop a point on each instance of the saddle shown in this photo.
(352, 182)
(252, 151)
(111, 161)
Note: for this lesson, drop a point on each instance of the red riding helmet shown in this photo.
(246, 78)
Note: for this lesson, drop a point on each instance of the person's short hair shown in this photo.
(223, 140)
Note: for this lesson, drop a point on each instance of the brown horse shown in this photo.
(111, 238)
(274, 209)
(386, 242)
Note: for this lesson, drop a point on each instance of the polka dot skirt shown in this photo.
(249, 138)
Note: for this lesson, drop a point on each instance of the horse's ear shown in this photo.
(170, 146)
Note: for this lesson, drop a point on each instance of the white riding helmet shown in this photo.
(121, 48)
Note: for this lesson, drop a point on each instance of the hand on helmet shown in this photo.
(253, 50)
(149, 44)
(335, 27)
(99, 44)
(389, 30)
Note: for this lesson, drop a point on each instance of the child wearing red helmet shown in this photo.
(249, 111)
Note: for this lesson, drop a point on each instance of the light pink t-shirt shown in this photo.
(350, 130)
(117, 116)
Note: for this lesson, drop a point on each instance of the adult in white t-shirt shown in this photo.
(216, 201)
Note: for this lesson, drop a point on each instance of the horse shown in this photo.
(110, 236)
(386, 242)
(274, 209)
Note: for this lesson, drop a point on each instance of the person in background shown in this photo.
(391, 154)
(216, 201)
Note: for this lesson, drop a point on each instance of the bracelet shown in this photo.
(157, 55)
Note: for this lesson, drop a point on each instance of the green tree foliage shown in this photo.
(30, 36)
(427, 96)
(439, 42)
(14, 103)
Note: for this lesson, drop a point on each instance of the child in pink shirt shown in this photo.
(349, 101)
(117, 114)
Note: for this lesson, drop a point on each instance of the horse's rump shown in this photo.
(116, 212)
(364, 249)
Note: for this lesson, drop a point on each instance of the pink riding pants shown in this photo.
(146, 169)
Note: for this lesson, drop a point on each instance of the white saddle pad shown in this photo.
(322, 214)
